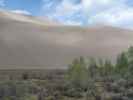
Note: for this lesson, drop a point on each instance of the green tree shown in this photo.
(122, 64)
(93, 75)
(92, 68)
(77, 73)
(108, 68)
(130, 60)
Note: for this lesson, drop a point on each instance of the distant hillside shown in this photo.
(27, 18)
(27, 42)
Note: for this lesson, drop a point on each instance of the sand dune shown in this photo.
(25, 43)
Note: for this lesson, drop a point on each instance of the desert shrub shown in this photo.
(50, 98)
(29, 97)
(25, 76)
(73, 92)
(16, 89)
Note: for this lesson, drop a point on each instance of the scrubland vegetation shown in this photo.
(85, 79)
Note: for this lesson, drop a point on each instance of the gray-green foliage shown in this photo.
(90, 73)
(130, 59)
(85, 78)
(15, 90)
(92, 68)
(122, 64)
(77, 73)
(108, 68)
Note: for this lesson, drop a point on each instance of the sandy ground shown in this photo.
(26, 44)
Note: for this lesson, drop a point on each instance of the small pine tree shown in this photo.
(93, 68)
(130, 60)
(108, 68)
(122, 64)
(77, 73)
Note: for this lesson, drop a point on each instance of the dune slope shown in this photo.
(25, 43)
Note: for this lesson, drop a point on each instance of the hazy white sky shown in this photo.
(77, 12)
